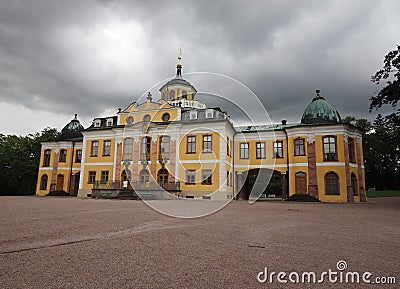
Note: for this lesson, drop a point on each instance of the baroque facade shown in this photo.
(179, 145)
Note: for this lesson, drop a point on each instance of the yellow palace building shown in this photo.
(178, 147)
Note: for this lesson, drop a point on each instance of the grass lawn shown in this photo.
(375, 194)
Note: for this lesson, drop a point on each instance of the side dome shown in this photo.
(320, 111)
(72, 129)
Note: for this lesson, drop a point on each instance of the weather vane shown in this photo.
(180, 55)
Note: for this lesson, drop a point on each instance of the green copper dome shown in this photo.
(72, 130)
(320, 111)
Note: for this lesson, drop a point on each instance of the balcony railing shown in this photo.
(154, 186)
(137, 186)
(111, 185)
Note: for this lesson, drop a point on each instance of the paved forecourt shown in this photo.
(50, 242)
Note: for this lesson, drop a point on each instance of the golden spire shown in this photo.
(179, 65)
(179, 56)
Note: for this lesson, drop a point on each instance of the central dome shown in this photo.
(320, 111)
(72, 129)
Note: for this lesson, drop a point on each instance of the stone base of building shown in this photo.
(84, 193)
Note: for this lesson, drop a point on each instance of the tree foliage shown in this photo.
(19, 161)
(390, 93)
(381, 152)
(381, 148)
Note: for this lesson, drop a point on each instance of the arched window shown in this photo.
(171, 95)
(46, 158)
(354, 184)
(162, 177)
(184, 94)
(332, 184)
(128, 147)
(144, 176)
(43, 182)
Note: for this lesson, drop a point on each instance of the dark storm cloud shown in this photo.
(89, 56)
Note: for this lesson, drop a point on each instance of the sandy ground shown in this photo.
(80, 243)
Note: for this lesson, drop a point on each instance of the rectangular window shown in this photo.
(329, 143)
(190, 177)
(63, 156)
(206, 177)
(128, 147)
(207, 143)
(244, 150)
(164, 145)
(193, 115)
(260, 150)
(94, 150)
(228, 147)
(146, 148)
(104, 176)
(352, 155)
(278, 149)
(92, 177)
(78, 156)
(106, 148)
(299, 147)
(191, 145)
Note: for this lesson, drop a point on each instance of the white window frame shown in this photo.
(193, 115)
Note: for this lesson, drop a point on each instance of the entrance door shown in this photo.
(301, 183)
(60, 183)
(75, 184)
(125, 179)
(163, 177)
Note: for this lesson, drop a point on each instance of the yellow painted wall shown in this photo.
(155, 115)
(341, 172)
(199, 155)
(292, 157)
(98, 170)
(198, 189)
(252, 160)
(100, 158)
(292, 178)
(63, 168)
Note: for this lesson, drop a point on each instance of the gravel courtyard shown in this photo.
(56, 242)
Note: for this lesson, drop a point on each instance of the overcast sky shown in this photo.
(58, 58)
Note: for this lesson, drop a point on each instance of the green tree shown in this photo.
(381, 155)
(19, 161)
(390, 93)
(384, 142)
